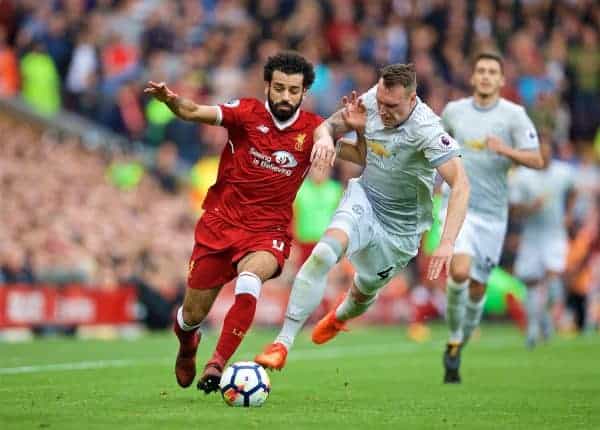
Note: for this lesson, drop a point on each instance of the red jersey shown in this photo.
(261, 167)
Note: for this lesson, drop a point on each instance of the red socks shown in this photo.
(237, 322)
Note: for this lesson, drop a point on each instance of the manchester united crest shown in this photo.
(300, 141)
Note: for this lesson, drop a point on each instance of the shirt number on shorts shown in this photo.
(385, 273)
(278, 245)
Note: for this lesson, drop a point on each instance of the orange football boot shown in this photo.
(328, 328)
(273, 356)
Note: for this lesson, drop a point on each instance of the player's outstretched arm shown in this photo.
(183, 108)
(527, 157)
(323, 151)
(354, 151)
(453, 172)
(353, 116)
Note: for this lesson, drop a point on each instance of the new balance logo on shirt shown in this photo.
(263, 129)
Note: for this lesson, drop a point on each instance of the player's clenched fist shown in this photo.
(160, 91)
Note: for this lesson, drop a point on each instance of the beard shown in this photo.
(282, 110)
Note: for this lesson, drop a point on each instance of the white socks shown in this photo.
(248, 283)
(456, 294)
(349, 308)
(473, 315)
(308, 289)
(182, 323)
(533, 306)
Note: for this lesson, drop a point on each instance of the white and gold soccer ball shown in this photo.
(245, 384)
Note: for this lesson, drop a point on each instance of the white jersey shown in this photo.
(552, 185)
(400, 167)
(471, 125)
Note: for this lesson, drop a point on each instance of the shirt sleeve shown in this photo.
(524, 134)
(233, 113)
(439, 146)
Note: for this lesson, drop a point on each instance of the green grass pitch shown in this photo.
(370, 378)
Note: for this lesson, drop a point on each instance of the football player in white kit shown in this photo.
(542, 200)
(493, 134)
(379, 222)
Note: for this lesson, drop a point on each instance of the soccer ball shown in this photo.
(245, 383)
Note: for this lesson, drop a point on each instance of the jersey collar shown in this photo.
(285, 124)
(484, 109)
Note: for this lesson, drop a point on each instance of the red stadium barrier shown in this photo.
(26, 306)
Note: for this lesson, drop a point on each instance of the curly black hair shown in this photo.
(290, 62)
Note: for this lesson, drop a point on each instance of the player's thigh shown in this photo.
(209, 269)
(262, 263)
(460, 267)
(554, 253)
(487, 247)
(353, 219)
(378, 263)
(262, 253)
(529, 263)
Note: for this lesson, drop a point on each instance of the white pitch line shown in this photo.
(80, 365)
(316, 353)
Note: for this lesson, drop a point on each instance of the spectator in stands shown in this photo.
(40, 81)
(98, 52)
(9, 69)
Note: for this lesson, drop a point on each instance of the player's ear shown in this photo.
(412, 96)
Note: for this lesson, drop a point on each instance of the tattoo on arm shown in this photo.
(335, 124)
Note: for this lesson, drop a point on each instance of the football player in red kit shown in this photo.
(243, 232)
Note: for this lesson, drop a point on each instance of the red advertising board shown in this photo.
(24, 306)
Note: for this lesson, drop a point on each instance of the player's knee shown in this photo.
(476, 291)
(362, 298)
(326, 253)
(460, 270)
(365, 288)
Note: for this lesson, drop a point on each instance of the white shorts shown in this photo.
(482, 238)
(377, 256)
(536, 257)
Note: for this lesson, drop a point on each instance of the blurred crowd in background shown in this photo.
(70, 214)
